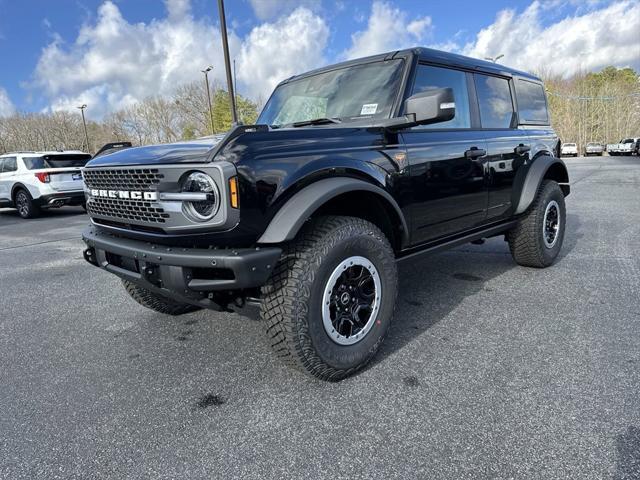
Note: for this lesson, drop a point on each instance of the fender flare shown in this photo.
(16, 186)
(286, 224)
(534, 176)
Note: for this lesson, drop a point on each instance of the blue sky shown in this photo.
(113, 53)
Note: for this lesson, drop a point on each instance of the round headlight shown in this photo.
(201, 210)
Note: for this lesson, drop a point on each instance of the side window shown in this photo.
(429, 78)
(532, 103)
(9, 165)
(494, 101)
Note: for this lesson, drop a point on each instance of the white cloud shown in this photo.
(388, 28)
(6, 106)
(582, 42)
(269, 9)
(114, 63)
(275, 51)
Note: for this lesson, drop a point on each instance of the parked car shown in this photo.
(569, 149)
(627, 146)
(349, 169)
(33, 181)
(593, 148)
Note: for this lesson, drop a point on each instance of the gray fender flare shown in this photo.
(535, 174)
(296, 211)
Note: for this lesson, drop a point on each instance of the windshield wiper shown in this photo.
(316, 121)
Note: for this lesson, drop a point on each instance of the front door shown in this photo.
(446, 163)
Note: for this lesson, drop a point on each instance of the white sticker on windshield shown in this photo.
(369, 109)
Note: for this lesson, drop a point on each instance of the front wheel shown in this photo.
(537, 239)
(330, 300)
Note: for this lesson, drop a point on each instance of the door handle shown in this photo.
(474, 152)
(522, 149)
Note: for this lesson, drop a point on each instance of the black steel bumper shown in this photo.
(60, 199)
(185, 274)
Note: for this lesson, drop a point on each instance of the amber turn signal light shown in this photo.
(233, 192)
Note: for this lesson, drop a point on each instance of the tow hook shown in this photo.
(90, 256)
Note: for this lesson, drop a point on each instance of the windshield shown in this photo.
(569, 144)
(56, 161)
(349, 93)
(593, 144)
(627, 140)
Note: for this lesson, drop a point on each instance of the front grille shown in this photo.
(139, 179)
(125, 179)
(126, 210)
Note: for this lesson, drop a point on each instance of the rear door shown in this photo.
(507, 146)
(8, 169)
(446, 162)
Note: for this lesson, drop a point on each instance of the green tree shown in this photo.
(247, 110)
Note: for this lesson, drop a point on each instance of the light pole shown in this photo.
(235, 81)
(206, 80)
(494, 59)
(84, 123)
(227, 63)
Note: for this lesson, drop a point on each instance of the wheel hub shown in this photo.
(21, 201)
(351, 300)
(551, 224)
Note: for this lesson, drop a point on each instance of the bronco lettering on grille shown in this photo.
(124, 194)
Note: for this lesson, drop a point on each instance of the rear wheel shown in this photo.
(330, 300)
(24, 204)
(156, 302)
(537, 239)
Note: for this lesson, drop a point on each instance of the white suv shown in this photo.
(31, 181)
(569, 149)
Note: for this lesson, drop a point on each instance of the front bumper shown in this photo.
(189, 275)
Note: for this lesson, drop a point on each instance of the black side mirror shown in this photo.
(432, 106)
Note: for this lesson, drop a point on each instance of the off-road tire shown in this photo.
(23, 202)
(156, 302)
(526, 240)
(293, 296)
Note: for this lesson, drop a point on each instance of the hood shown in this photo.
(180, 152)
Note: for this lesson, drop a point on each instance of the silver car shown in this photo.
(593, 148)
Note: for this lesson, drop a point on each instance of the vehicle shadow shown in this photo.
(432, 287)
(628, 448)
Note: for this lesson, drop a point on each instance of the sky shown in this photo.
(58, 54)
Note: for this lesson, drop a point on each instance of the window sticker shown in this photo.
(369, 109)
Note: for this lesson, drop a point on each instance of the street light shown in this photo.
(84, 123)
(227, 63)
(206, 80)
(494, 60)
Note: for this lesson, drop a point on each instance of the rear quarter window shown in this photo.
(532, 103)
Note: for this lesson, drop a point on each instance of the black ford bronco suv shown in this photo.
(349, 169)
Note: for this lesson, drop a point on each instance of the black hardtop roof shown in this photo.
(432, 56)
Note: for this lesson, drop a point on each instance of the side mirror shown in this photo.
(432, 106)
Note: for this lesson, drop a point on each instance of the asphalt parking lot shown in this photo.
(490, 371)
